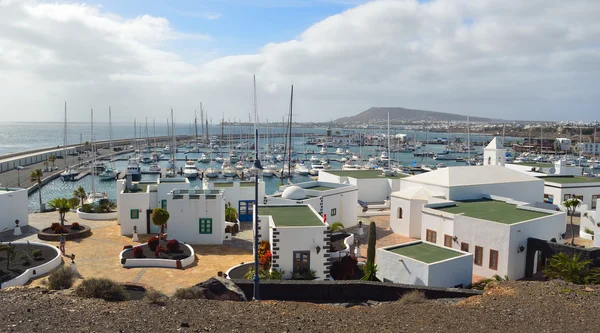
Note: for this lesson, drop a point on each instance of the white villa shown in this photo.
(239, 194)
(563, 144)
(489, 211)
(196, 216)
(337, 202)
(372, 185)
(299, 239)
(590, 224)
(14, 206)
(136, 202)
(424, 264)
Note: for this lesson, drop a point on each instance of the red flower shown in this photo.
(265, 260)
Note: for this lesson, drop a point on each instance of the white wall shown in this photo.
(410, 224)
(522, 191)
(560, 192)
(184, 218)
(544, 228)
(401, 269)
(292, 239)
(163, 189)
(14, 206)
(127, 202)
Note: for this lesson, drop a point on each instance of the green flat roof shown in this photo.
(362, 174)
(496, 211)
(291, 216)
(425, 252)
(571, 180)
(533, 164)
(247, 184)
(223, 184)
(320, 188)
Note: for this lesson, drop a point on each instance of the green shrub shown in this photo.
(105, 289)
(589, 231)
(265, 274)
(37, 253)
(189, 293)
(336, 226)
(413, 297)
(87, 208)
(572, 269)
(62, 278)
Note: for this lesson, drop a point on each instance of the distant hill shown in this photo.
(406, 115)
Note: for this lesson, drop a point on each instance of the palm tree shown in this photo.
(159, 218)
(36, 176)
(573, 270)
(62, 206)
(80, 193)
(52, 159)
(571, 205)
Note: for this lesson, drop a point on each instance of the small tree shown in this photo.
(80, 193)
(370, 269)
(571, 205)
(62, 206)
(52, 160)
(36, 176)
(230, 213)
(159, 218)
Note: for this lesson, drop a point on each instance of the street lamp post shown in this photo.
(19, 175)
(256, 170)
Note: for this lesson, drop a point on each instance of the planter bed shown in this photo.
(96, 216)
(20, 273)
(181, 259)
(336, 241)
(238, 271)
(48, 234)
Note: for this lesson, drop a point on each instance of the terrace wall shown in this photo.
(13, 206)
(344, 291)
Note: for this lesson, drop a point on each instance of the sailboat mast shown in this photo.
(255, 119)
(65, 140)
(174, 148)
(154, 132)
(110, 133)
(134, 136)
(468, 141)
(93, 155)
(196, 125)
(290, 135)
(388, 143)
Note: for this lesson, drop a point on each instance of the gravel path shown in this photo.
(511, 307)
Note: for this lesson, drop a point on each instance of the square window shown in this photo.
(163, 204)
(431, 236)
(301, 261)
(134, 214)
(333, 211)
(464, 247)
(205, 226)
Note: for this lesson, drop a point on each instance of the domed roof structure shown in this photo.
(294, 193)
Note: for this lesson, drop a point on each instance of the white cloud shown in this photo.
(529, 59)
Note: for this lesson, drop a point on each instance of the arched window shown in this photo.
(489, 160)
(399, 212)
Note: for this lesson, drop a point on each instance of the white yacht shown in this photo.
(133, 169)
(69, 174)
(167, 149)
(314, 171)
(204, 158)
(340, 151)
(211, 173)
(384, 156)
(227, 170)
(323, 150)
(109, 174)
(154, 167)
(95, 197)
(268, 171)
(145, 158)
(301, 169)
(190, 170)
(314, 159)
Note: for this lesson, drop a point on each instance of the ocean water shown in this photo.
(21, 136)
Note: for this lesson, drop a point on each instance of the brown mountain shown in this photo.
(407, 115)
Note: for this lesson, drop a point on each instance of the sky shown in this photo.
(523, 60)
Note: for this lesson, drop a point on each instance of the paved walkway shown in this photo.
(98, 256)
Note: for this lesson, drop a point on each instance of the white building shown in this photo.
(589, 224)
(372, 185)
(14, 206)
(558, 189)
(239, 194)
(135, 204)
(563, 144)
(338, 202)
(488, 210)
(495, 231)
(424, 264)
(588, 147)
(299, 239)
(196, 216)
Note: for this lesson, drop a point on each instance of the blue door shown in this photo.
(245, 210)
